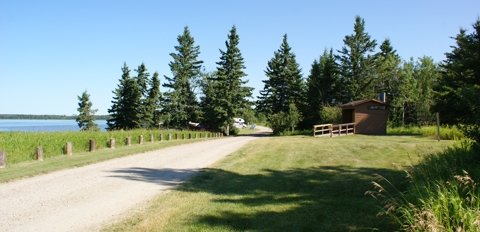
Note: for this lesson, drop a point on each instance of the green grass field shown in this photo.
(296, 183)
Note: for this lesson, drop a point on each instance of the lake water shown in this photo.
(44, 125)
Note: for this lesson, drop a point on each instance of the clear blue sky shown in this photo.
(51, 51)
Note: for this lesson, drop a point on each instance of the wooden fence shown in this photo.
(333, 129)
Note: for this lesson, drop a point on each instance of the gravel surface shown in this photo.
(85, 198)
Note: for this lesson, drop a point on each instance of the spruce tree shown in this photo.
(181, 104)
(151, 114)
(86, 116)
(357, 64)
(231, 94)
(144, 83)
(459, 87)
(126, 104)
(284, 85)
(323, 86)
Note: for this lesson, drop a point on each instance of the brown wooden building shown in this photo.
(369, 116)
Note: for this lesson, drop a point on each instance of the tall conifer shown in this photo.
(231, 94)
(357, 63)
(181, 104)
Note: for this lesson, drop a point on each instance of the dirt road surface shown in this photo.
(86, 198)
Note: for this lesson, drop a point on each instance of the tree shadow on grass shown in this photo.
(324, 198)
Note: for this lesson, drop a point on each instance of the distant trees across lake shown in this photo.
(47, 117)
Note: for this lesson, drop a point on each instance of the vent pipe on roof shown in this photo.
(383, 97)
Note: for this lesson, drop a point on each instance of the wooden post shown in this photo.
(140, 139)
(195, 135)
(151, 138)
(189, 135)
(92, 145)
(39, 153)
(201, 134)
(161, 137)
(128, 141)
(112, 143)
(3, 159)
(169, 137)
(183, 136)
(176, 136)
(68, 148)
(438, 126)
(331, 130)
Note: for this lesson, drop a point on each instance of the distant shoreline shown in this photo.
(47, 117)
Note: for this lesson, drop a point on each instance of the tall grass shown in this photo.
(442, 194)
(446, 133)
(21, 146)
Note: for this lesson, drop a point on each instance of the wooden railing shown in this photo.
(333, 129)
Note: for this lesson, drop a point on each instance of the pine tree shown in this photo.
(144, 83)
(152, 104)
(181, 103)
(86, 116)
(459, 87)
(356, 64)
(231, 94)
(126, 104)
(323, 86)
(284, 85)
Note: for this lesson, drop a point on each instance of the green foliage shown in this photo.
(284, 85)
(446, 132)
(225, 91)
(357, 63)
(86, 116)
(21, 146)
(459, 86)
(323, 87)
(331, 114)
(441, 195)
(180, 104)
(285, 121)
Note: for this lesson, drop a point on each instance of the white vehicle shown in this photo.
(239, 123)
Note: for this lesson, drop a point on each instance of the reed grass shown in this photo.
(21, 146)
(446, 132)
(442, 193)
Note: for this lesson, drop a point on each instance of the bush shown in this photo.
(331, 114)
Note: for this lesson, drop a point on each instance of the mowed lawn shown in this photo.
(295, 183)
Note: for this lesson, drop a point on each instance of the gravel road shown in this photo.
(85, 198)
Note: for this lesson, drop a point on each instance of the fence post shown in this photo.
(169, 137)
(183, 136)
(92, 145)
(39, 153)
(3, 159)
(176, 136)
(128, 141)
(161, 137)
(112, 143)
(140, 139)
(68, 148)
(151, 138)
(195, 135)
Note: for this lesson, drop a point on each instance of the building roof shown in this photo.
(359, 102)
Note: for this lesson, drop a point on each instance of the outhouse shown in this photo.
(369, 116)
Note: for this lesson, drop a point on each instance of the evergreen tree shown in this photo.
(86, 116)
(230, 91)
(459, 87)
(144, 83)
(181, 103)
(323, 86)
(356, 64)
(284, 85)
(151, 115)
(126, 104)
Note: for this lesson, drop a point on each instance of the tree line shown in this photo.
(415, 88)
(47, 117)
